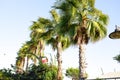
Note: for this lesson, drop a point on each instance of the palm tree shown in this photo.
(30, 50)
(25, 53)
(20, 62)
(37, 29)
(57, 41)
(83, 23)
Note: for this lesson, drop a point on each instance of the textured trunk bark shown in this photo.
(59, 59)
(27, 63)
(82, 63)
(34, 59)
(41, 49)
(36, 53)
(21, 66)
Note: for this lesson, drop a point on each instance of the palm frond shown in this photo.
(117, 58)
(47, 35)
(91, 3)
(55, 15)
(52, 41)
(65, 42)
(104, 19)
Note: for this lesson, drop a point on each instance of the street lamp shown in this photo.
(115, 34)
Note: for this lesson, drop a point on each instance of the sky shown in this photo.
(16, 17)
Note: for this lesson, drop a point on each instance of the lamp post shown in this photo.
(115, 34)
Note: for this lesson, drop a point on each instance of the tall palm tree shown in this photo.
(57, 41)
(83, 23)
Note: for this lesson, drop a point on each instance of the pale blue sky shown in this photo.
(17, 15)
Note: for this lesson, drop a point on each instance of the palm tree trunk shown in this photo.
(27, 63)
(59, 59)
(82, 63)
(34, 58)
(40, 49)
(35, 61)
(21, 66)
(37, 53)
(41, 43)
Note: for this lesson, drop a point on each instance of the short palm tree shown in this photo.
(30, 50)
(83, 23)
(20, 62)
(26, 52)
(37, 29)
